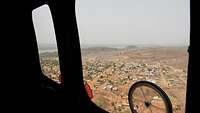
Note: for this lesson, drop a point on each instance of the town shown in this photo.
(110, 72)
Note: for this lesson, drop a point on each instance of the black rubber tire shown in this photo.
(153, 86)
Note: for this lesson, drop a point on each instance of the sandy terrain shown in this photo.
(110, 73)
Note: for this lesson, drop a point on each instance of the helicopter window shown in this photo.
(125, 41)
(46, 41)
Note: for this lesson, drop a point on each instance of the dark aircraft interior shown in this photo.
(28, 88)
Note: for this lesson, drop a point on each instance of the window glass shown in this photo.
(46, 41)
(124, 41)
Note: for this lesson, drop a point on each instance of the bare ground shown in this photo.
(110, 73)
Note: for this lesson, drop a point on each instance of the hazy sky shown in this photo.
(133, 21)
(162, 22)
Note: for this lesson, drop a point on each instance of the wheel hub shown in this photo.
(147, 104)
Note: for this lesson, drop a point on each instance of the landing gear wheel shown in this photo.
(147, 97)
